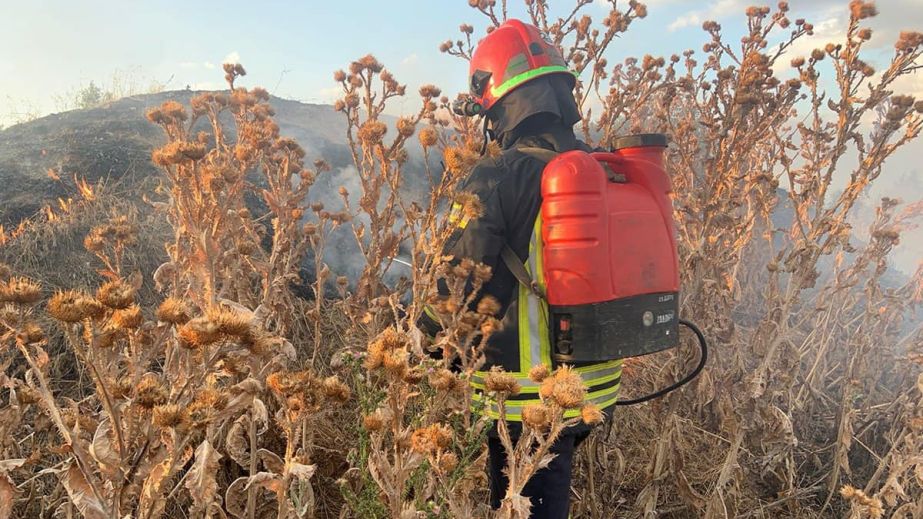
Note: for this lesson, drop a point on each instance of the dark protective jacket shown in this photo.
(539, 114)
(509, 188)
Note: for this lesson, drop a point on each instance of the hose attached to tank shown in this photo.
(703, 347)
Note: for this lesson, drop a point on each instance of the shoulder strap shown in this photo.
(508, 255)
(539, 153)
(516, 266)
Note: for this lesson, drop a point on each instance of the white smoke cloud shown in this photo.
(233, 57)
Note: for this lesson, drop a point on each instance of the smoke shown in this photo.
(342, 253)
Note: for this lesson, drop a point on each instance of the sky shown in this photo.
(50, 48)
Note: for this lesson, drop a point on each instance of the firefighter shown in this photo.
(520, 83)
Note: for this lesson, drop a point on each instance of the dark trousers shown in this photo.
(549, 488)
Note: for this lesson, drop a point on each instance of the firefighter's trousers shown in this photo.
(549, 489)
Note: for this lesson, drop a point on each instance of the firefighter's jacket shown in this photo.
(509, 189)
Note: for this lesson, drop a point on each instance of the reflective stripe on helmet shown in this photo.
(513, 82)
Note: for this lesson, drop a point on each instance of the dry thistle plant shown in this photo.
(420, 444)
(176, 388)
(812, 405)
(792, 406)
(563, 394)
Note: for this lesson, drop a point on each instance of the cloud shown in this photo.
(686, 20)
(607, 4)
(715, 9)
(910, 84)
(193, 65)
(411, 60)
(233, 57)
(831, 28)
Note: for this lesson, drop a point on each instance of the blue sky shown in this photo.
(51, 47)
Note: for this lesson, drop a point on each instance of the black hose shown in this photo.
(703, 346)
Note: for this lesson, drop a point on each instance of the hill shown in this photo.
(114, 143)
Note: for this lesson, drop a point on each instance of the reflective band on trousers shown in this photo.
(603, 399)
(535, 347)
(592, 376)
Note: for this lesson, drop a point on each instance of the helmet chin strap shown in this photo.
(488, 136)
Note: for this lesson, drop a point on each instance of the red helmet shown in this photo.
(513, 54)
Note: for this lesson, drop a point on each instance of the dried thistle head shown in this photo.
(205, 405)
(149, 392)
(375, 355)
(413, 375)
(372, 131)
(109, 338)
(30, 333)
(909, 41)
(116, 294)
(25, 395)
(178, 152)
(374, 422)
(120, 388)
(443, 380)
(431, 440)
(231, 322)
(488, 305)
(396, 362)
(471, 206)
(170, 416)
(72, 306)
(482, 273)
(446, 462)
(406, 127)
(336, 390)
(564, 387)
(20, 291)
(498, 381)
(591, 414)
(539, 373)
(174, 311)
(871, 506)
(128, 318)
(537, 416)
(302, 392)
(427, 137)
(199, 332)
(860, 9)
(382, 349)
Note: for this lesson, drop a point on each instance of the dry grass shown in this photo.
(201, 385)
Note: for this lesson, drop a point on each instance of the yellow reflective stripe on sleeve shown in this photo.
(538, 345)
(525, 362)
(428, 310)
(457, 216)
(544, 326)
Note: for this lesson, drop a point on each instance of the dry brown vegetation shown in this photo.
(205, 386)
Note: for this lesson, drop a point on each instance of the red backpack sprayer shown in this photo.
(609, 259)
